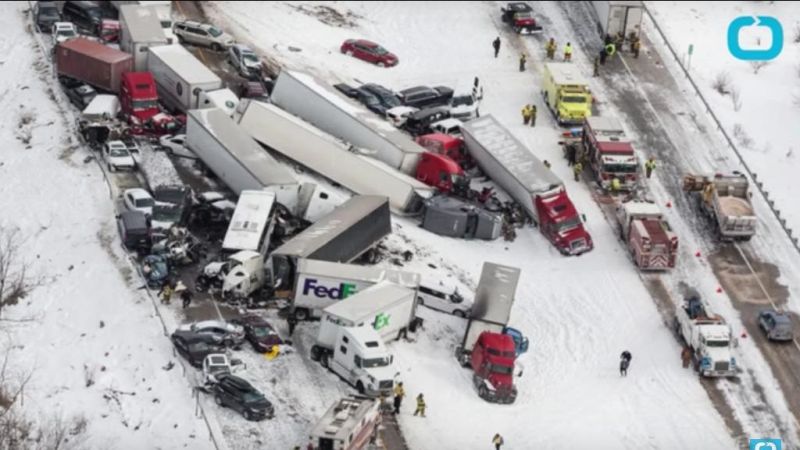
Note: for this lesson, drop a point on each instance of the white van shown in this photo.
(442, 298)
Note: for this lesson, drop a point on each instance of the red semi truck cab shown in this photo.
(561, 224)
(138, 99)
(610, 152)
(450, 146)
(441, 172)
(492, 362)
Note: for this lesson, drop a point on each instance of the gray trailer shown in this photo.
(140, 29)
(314, 101)
(491, 309)
(342, 236)
(725, 199)
(238, 160)
(305, 144)
(448, 216)
(619, 16)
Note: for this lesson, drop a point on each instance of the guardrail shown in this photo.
(759, 185)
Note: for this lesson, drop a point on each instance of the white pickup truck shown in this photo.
(708, 336)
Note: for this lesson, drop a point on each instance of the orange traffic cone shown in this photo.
(669, 204)
(697, 254)
(744, 334)
(719, 290)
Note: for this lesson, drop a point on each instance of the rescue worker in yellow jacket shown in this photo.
(649, 166)
(568, 52)
(577, 169)
(615, 185)
(420, 406)
(527, 112)
(399, 393)
(551, 49)
(273, 352)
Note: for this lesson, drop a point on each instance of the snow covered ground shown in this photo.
(88, 335)
(579, 313)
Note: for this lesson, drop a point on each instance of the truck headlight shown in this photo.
(705, 362)
(733, 362)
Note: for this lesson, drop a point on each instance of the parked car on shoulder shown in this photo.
(236, 393)
(63, 31)
(191, 32)
(84, 14)
(134, 231)
(776, 325)
(425, 97)
(227, 333)
(245, 61)
(386, 98)
(117, 156)
(420, 122)
(464, 107)
(369, 51)
(258, 332)
(138, 199)
(194, 347)
(45, 15)
(81, 95)
(444, 299)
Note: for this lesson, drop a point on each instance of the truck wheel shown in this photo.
(324, 360)
(360, 387)
(301, 314)
(216, 47)
(218, 401)
(181, 40)
(482, 392)
(518, 30)
(459, 313)
(247, 416)
(314, 354)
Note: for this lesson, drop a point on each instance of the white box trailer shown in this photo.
(252, 223)
(305, 144)
(312, 100)
(180, 77)
(319, 284)
(386, 307)
(237, 160)
(140, 30)
(619, 16)
(223, 99)
(163, 10)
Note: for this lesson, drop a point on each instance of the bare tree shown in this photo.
(722, 83)
(736, 99)
(15, 281)
(758, 65)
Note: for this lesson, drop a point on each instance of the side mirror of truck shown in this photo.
(583, 217)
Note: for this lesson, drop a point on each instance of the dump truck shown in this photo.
(488, 346)
(617, 17)
(566, 93)
(610, 153)
(529, 182)
(725, 199)
(93, 63)
(650, 240)
(708, 336)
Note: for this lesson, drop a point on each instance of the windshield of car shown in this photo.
(68, 32)
(620, 168)
(503, 370)
(119, 152)
(174, 196)
(249, 57)
(199, 347)
(166, 213)
(376, 362)
(720, 343)
(144, 202)
(48, 11)
(569, 224)
(253, 397)
(144, 104)
(573, 99)
(262, 331)
(463, 100)
(378, 50)
(214, 32)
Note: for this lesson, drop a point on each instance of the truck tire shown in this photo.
(482, 392)
(459, 313)
(218, 401)
(315, 352)
(518, 30)
(323, 359)
(300, 314)
(360, 387)
(216, 47)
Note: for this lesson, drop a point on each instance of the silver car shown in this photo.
(777, 326)
(190, 32)
(226, 333)
(245, 61)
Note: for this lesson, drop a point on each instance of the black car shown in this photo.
(134, 229)
(419, 123)
(423, 96)
(347, 90)
(85, 15)
(46, 14)
(194, 347)
(386, 97)
(258, 332)
(369, 100)
(236, 393)
(81, 95)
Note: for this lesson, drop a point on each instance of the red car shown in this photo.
(370, 52)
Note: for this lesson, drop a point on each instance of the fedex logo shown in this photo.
(342, 291)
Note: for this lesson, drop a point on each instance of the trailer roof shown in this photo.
(625, 3)
(180, 60)
(249, 220)
(358, 273)
(326, 229)
(636, 208)
(257, 161)
(362, 304)
(566, 73)
(510, 153)
(495, 294)
(605, 125)
(377, 124)
(143, 23)
(343, 417)
(95, 49)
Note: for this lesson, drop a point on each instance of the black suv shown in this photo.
(423, 96)
(234, 392)
(386, 98)
(46, 15)
(85, 15)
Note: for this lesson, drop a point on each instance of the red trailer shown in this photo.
(93, 63)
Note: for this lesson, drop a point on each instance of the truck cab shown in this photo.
(611, 154)
(492, 361)
(359, 356)
(561, 224)
(566, 93)
(650, 240)
(441, 172)
(450, 146)
(238, 276)
(708, 336)
(138, 99)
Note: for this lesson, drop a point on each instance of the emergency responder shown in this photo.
(620, 40)
(596, 66)
(497, 440)
(533, 115)
(420, 406)
(615, 185)
(292, 321)
(399, 393)
(568, 52)
(649, 166)
(577, 169)
(551, 49)
(522, 60)
(547, 163)
(572, 154)
(610, 49)
(526, 114)
(186, 298)
(496, 45)
(603, 56)
(166, 293)
(686, 357)
(273, 352)
(636, 45)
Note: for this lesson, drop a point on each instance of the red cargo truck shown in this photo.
(93, 63)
